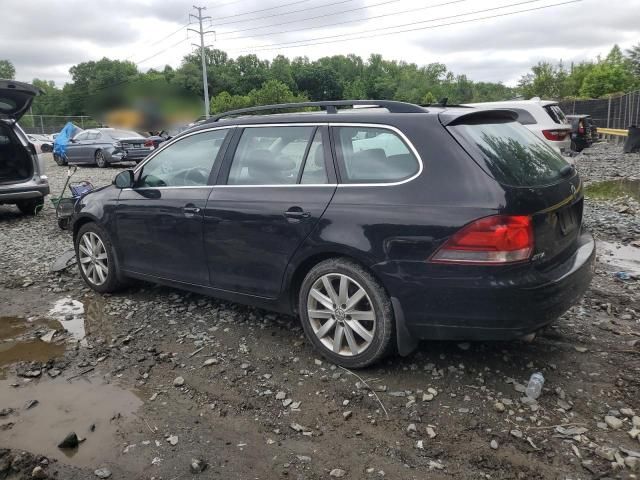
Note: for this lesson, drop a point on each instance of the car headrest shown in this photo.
(265, 160)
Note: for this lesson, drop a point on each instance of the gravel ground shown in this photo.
(165, 384)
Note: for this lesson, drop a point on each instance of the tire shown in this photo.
(31, 206)
(101, 162)
(362, 342)
(59, 160)
(104, 255)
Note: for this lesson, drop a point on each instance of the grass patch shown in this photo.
(612, 189)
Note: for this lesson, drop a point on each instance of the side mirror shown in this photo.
(124, 179)
(72, 140)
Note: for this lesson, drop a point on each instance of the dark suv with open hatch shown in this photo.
(379, 224)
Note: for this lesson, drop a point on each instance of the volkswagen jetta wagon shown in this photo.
(378, 224)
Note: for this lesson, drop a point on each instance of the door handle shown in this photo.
(296, 213)
(190, 210)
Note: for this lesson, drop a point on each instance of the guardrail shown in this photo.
(613, 131)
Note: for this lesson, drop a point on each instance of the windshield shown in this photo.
(118, 134)
(511, 153)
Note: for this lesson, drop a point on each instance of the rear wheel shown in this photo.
(101, 162)
(59, 160)
(346, 313)
(31, 206)
(96, 259)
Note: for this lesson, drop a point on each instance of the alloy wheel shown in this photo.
(93, 258)
(100, 162)
(341, 314)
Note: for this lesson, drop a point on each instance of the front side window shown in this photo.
(373, 155)
(275, 156)
(187, 162)
(82, 136)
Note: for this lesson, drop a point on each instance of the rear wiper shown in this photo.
(567, 170)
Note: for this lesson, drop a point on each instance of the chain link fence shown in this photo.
(47, 124)
(620, 112)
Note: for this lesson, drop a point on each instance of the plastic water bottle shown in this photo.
(534, 389)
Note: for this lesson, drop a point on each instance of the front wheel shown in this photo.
(95, 256)
(101, 162)
(346, 314)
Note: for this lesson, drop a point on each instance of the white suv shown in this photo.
(544, 118)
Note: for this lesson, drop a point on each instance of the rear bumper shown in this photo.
(23, 191)
(453, 305)
(129, 155)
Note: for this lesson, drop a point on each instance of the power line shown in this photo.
(292, 12)
(332, 24)
(160, 52)
(332, 38)
(263, 10)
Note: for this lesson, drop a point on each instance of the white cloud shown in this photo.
(43, 38)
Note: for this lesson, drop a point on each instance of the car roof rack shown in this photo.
(330, 106)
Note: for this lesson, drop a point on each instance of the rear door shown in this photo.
(273, 190)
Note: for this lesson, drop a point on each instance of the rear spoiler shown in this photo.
(449, 118)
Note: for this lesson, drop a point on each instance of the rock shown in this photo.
(435, 465)
(337, 473)
(178, 382)
(304, 458)
(54, 372)
(627, 412)
(102, 473)
(580, 349)
(245, 366)
(635, 421)
(432, 391)
(38, 472)
(172, 439)
(5, 412)
(346, 415)
(607, 453)
(613, 422)
(516, 433)
(427, 397)
(30, 404)
(411, 428)
(286, 402)
(210, 361)
(197, 465)
(299, 428)
(70, 441)
(431, 432)
(494, 444)
(499, 407)
(634, 433)
(281, 395)
(420, 445)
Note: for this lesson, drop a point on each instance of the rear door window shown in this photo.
(272, 155)
(511, 153)
(373, 155)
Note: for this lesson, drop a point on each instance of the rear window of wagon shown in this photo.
(510, 153)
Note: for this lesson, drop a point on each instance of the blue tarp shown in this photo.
(62, 139)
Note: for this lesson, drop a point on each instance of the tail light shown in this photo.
(494, 240)
(581, 129)
(148, 143)
(555, 135)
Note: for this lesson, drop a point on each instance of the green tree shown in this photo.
(612, 75)
(7, 70)
(633, 54)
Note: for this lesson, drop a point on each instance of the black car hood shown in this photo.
(15, 98)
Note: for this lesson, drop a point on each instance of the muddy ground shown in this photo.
(160, 384)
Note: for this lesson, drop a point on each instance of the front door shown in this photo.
(159, 221)
(276, 184)
(75, 148)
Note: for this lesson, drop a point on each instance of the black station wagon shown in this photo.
(378, 224)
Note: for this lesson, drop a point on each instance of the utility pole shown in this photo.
(202, 33)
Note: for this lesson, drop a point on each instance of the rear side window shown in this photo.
(373, 155)
(511, 153)
(556, 113)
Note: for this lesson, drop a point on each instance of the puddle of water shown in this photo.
(63, 408)
(625, 258)
(16, 345)
(614, 189)
(70, 314)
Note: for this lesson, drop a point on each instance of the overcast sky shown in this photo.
(43, 38)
